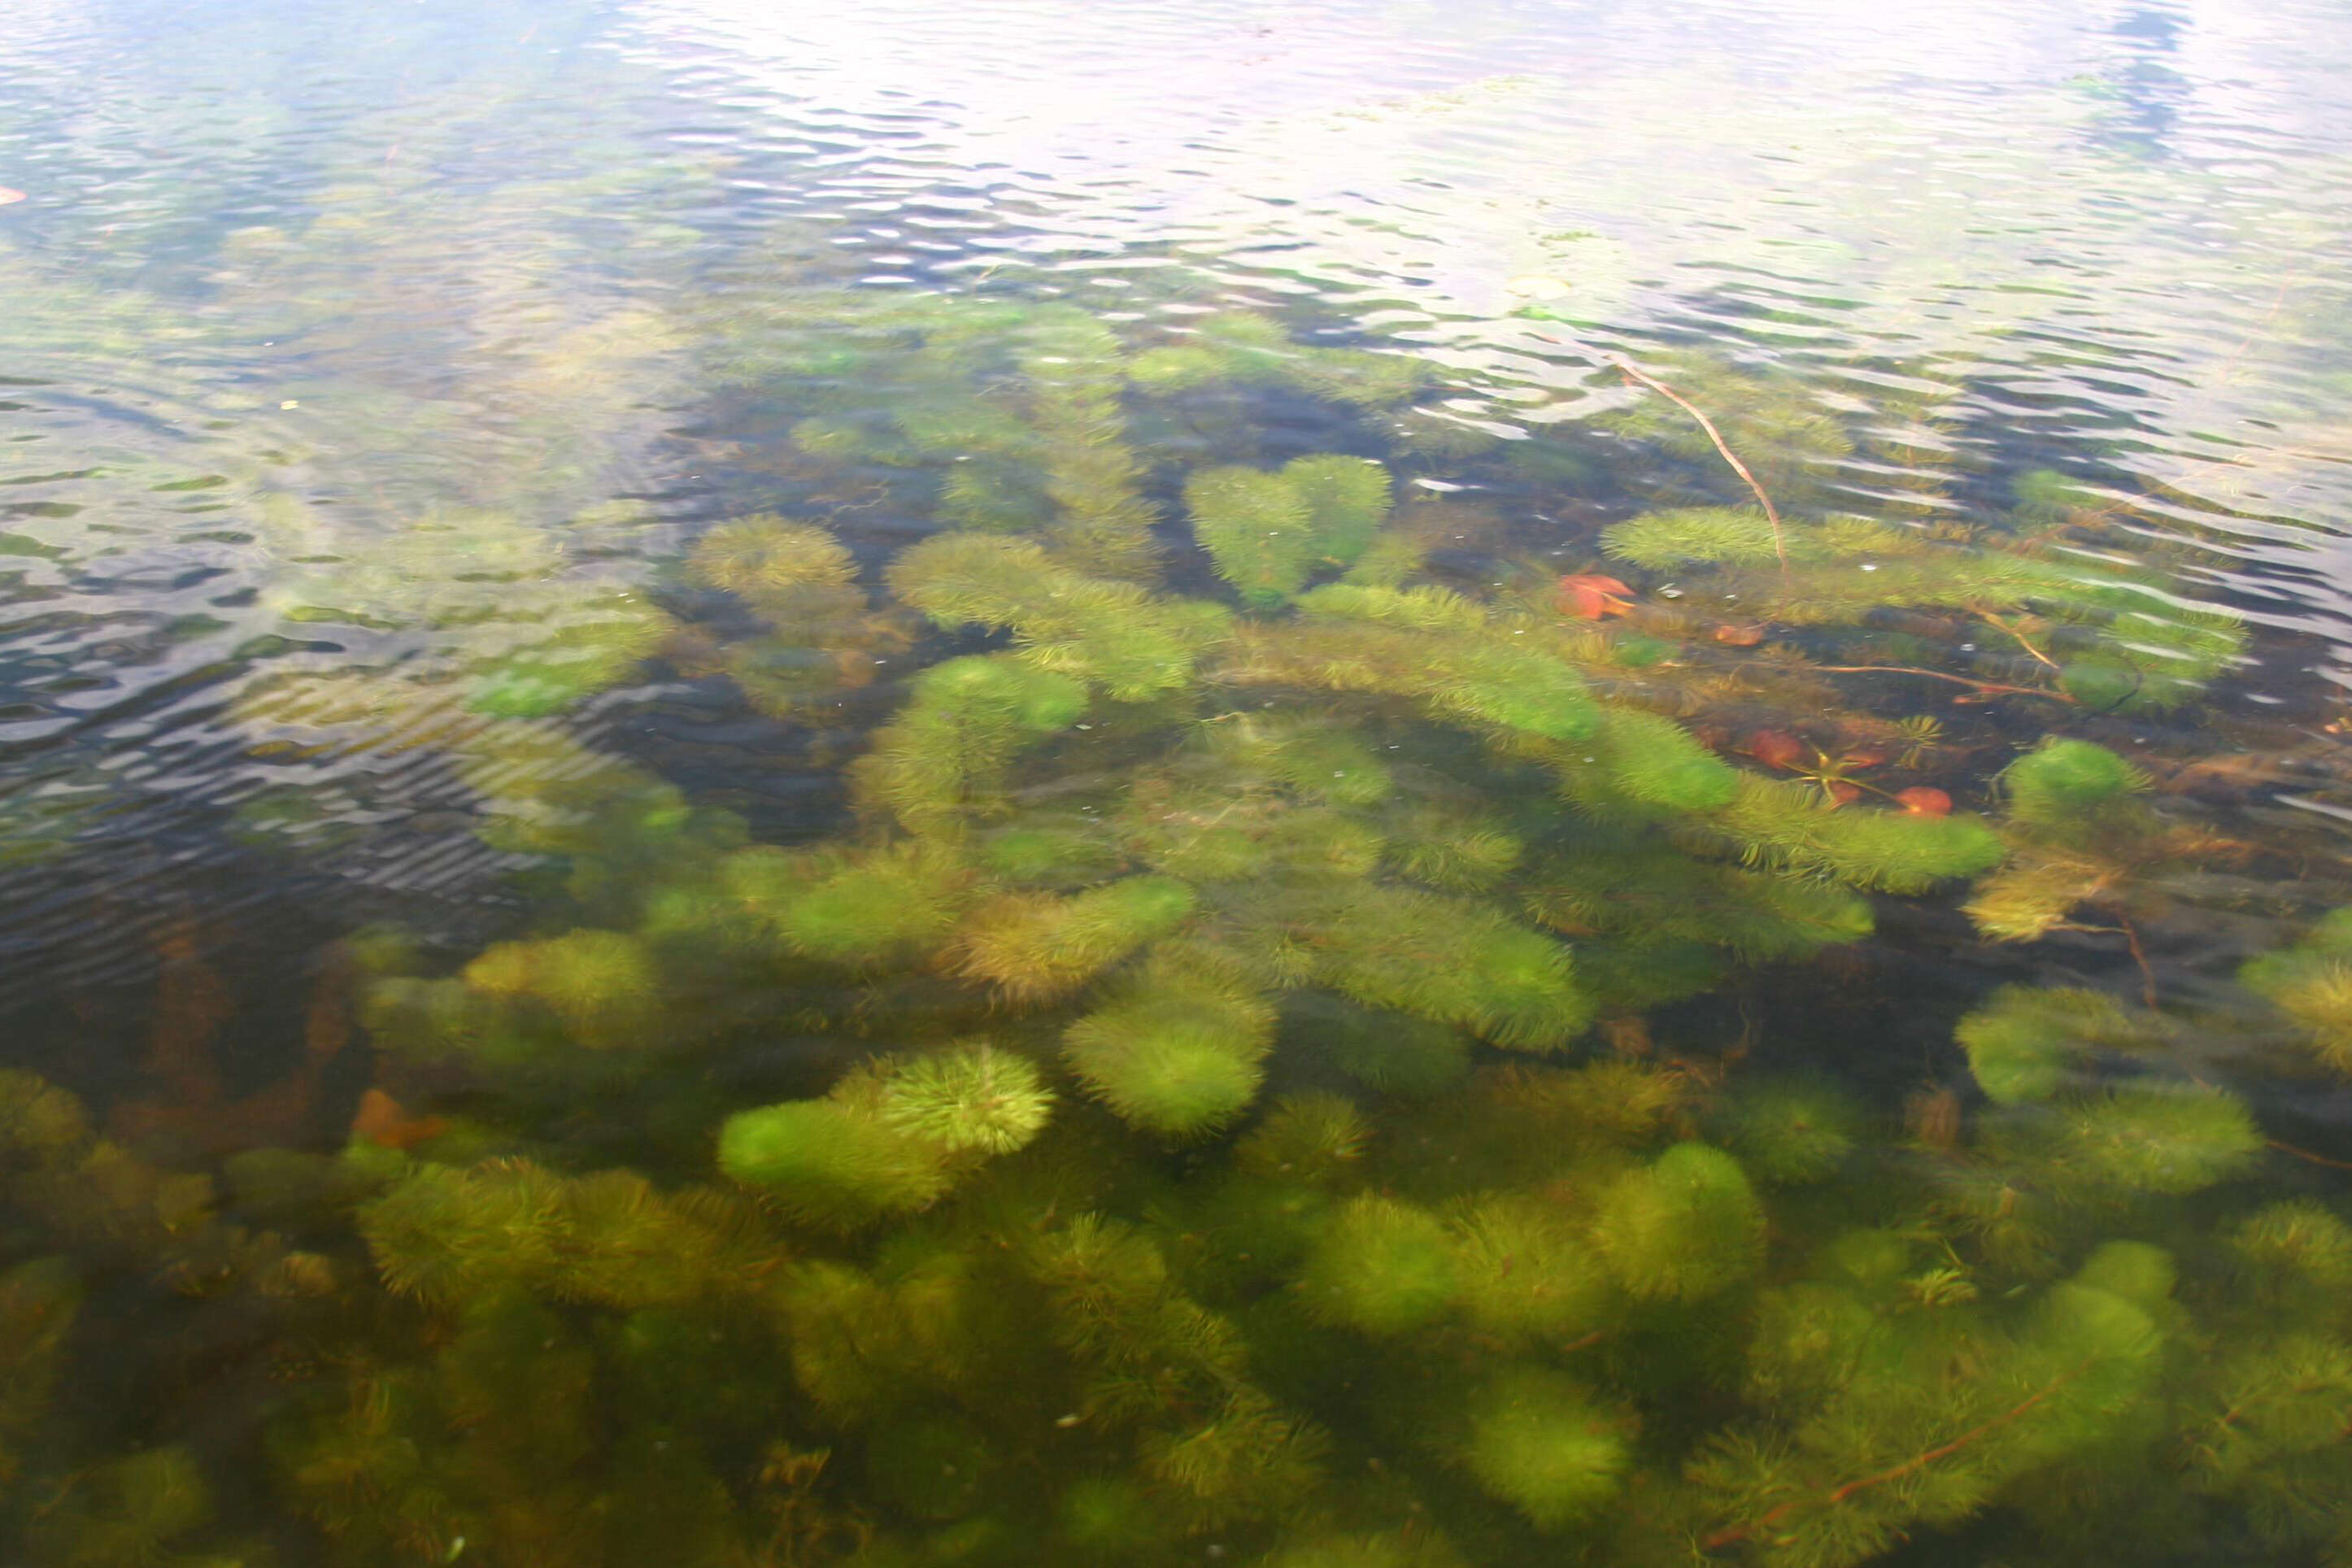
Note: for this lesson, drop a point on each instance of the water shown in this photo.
(1039, 783)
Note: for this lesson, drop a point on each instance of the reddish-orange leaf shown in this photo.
(1922, 801)
(380, 1121)
(1733, 634)
(1776, 748)
(1592, 597)
(1842, 793)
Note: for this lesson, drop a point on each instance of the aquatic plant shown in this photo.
(1382, 1268)
(1524, 1272)
(1540, 1443)
(1267, 532)
(446, 1236)
(601, 985)
(1684, 1228)
(1218, 1089)
(1105, 632)
(2311, 984)
(972, 1097)
(841, 1160)
(1176, 1051)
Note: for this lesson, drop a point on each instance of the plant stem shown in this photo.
(1939, 675)
(2308, 1154)
(2021, 641)
(1837, 1495)
(2123, 927)
(1687, 406)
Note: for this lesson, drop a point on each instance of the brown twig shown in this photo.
(1939, 675)
(2124, 928)
(2139, 956)
(1687, 406)
(2308, 1154)
(2021, 641)
(1723, 1538)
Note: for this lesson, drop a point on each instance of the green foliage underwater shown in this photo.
(1312, 1015)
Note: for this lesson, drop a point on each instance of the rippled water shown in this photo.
(378, 390)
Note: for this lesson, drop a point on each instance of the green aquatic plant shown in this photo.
(2028, 1043)
(1176, 1051)
(2068, 784)
(1453, 851)
(1525, 1274)
(125, 1512)
(1930, 1427)
(1424, 644)
(840, 1161)
(822, 637)
(893, 903)
(601, 985)
(1196, 1146)
(974, 1096)
(1243, 347)
(1314, 1137)
(1795, 1130)
(943, 760)
(447, 1234)
(1447, 961)
(2095, 634)
(1782, 823)
(1538, 1442)
(1684, 1228)
(1040, 946)
(1390, 1053)
(2080, 835)
(597, 644)
(770, 562)
(1105, 632)
(38, 1301)
(2311, 984)
(1268, 532)
(1382, 1268)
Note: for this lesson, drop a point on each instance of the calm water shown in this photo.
(1339, 784)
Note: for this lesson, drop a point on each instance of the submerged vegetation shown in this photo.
(1265, 1064)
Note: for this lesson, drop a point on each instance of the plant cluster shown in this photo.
(1252, 1077)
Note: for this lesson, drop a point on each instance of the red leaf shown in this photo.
(381, 1121)
(1592, 597)
(1922, 801)
(1776, 748)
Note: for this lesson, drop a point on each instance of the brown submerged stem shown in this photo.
(1839, 1494)
(2332, 1164)
(1939, 675)
(2022, 640)
(1687, 406)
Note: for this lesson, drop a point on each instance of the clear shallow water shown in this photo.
(379, 396)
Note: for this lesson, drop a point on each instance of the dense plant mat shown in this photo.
(1264, 1071)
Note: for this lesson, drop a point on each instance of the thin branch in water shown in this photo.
(1723, 1538)
(1687, 406)
(2021, 637)
(2124, 928)
(2139, 956)
(2308, 1154)
(1993, 686)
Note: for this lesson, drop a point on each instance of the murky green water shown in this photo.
(1350, 786)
